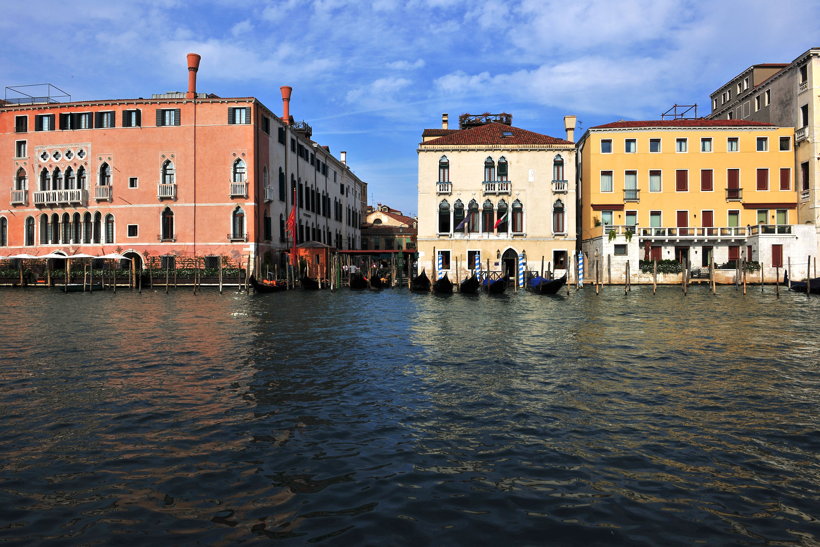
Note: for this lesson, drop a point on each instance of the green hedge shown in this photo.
(665, 266)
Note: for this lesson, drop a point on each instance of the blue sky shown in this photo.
(370, 76)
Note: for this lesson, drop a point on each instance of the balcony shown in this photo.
(770, 229)
(560, 187)
(237, 237)
(268, 193)
(102, 193)
(801, 134)
(444, 188)
(497, 186)
(804, 195)
(734, 194)
(165, 238)
(166, 191)
(632, 194)
(686, 233)
(239, 189)
(802, 86)
(61, 197)
(19, 197)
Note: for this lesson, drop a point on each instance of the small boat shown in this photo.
(309, 284)
(420, 283)
(800, 286)
(358, 282)
(470, 285)
(443, 286)
(496, 286)
(378, 282)
(544, 285)
(266, 286)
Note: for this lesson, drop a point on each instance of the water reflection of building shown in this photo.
(489, 191)
(386, 228)
(179, 174)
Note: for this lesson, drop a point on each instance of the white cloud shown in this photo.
(406, 65)
(242, 28)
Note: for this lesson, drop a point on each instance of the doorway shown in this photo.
(509, 263)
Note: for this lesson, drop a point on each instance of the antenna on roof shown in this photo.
(681, 112)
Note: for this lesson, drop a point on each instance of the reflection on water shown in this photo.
(397, 418)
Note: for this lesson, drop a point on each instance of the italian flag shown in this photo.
(501, 220)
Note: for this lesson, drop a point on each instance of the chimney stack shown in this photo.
(343, 157)
(445, 123)
(569, 125)
(286, 91)
(193, 67)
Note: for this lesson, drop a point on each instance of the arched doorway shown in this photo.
(126, 263)
(509, 263)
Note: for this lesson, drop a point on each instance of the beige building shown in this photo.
(491, 193)
(786, 94)
(385, 228)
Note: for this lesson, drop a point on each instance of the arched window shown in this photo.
(29, 240)
(238, 173)
(109, 228)
(473, 223)
(458, 216)
(55, 228)
(20, 179)
(105, 175)
(282, 189)
(443, 217)
(558, 168)
(168, 172)
(489, 169)
(4, 232)
(81, 178)
(487, 217)
(517, 217)
(167, 225)
(444, 169)
(97, 227)
(377, 221)
(66, 228)
(45, 232)
(70, 179)
(282, 236)
(57, 179)
(238, 224)
(78, 229)
(503, 219)
(87, 224)
(558, 217)
(503, 169)
(44, 180)
(268, 225)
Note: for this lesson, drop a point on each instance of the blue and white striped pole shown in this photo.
(580, 269)
(440, 262)
(521, 270)
(477, 265)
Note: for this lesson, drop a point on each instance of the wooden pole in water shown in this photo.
(761, 278)
(789, 272)
(596, 277)
(132, 282)
(167, 275)
(542, 265)
(743, 273)
(458, 285)
(139, 281)
(777, 281)
(114, 276)
(712, 283)
(654, 276)
(609, 269)
(150, 276)
(685, 276)
(247, 277)
(808, 278)
(220, 275)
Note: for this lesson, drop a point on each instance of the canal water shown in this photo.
(391, 418)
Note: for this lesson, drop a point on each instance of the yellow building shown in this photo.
(685, 189)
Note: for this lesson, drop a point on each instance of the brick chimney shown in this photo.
(569, 125)
(286, 91)
(193, 67)
(445, 123)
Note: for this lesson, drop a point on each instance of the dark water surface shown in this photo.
(399, 419)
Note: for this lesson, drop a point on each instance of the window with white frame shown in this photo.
(706, 144)
(732, 144)
(133, 230)
(681, 145)
(239, 115)
(606, 181)
(630, 146)
(655, 180)
(763, 144)
(606, 146)
(654, 146)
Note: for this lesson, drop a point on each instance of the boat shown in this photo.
(544, 285)
(358, 282)
(470, 285)
(800, 286)
(496, 286)
(379, 282)
(443, 286)
(420, 283)
(309, 284)
(266, 286)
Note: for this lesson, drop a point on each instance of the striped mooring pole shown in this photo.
(580, 269)
(477, 265)
(521, 271)
(440, 273)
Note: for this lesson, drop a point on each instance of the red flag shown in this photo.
(290, 225)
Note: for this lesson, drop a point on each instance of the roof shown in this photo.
(437, 132)
(700, 122)
(491, 133)
(401, 218)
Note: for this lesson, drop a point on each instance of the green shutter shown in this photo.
(230, 116)
(177, 118)
(159, 117)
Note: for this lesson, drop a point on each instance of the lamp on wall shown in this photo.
(524, 254)
(498, 253)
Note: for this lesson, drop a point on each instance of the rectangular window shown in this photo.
(655, 219)
(706, 145)
(133, 230)
(620, 250)
(762, 179)
(782, 216)
(106, 119)
(804, 175)
(762, 216)
(763, 144)
(21, 124)
(168, 117)
(631, 219)
(734, 252)
(767, 97)
(681, 180)
(630, 146)
(785, 144)
(732, 144)
(804, 115)
(655, 181)
(83, 121)
(281, 135)
(606, 218)
(266, 126)
(168, 262)
(757, 103)
(444, 259)
(655, 146)
(239, 115)
(133, 182)
(606, 146)
(681, 145)
(473, 258)
(132, 118)
(606, 181)
(20, 149)
(44, 122)
(706, 180)
(733, 218)
(785, 178)
(707, 219)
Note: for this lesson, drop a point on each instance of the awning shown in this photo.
(114, 256)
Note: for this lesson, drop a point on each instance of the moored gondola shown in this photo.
(496, 286)
(420, 283)
(543, 285)
(443, 285)
(800, 286)
(379, 282)
(309, 284)
(265, 286)
(358, 282)
(470, 285)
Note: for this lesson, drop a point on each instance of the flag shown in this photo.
(500, 220)
(290, 225)
(463, 223)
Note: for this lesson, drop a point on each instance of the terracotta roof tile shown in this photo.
(493, 133)
(437, 132)
(682, 123)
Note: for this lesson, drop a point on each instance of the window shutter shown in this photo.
(177, 116)
(247, 114)
(733, 178)
(98, 119)
(681, 181)
(230, 116)
(785, 178)
(113, 119)
(139, 118)
(706, 180)
(159, 117)
(64, 121)
(762, 179)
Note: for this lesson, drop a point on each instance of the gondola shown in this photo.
(420, 283)
(443, 286)
(266, 286)
(496, 286)
(800, 286)
(379, 282)
(358, 282)
(309, 284)
(543, 285)
(470, 285)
